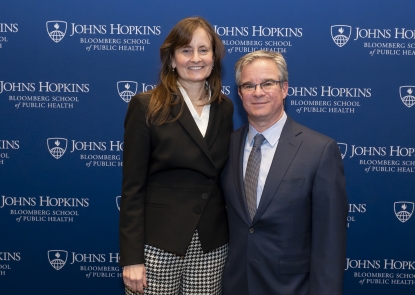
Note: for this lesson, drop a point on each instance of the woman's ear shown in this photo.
(173, 62)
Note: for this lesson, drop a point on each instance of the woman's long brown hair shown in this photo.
(166, 94)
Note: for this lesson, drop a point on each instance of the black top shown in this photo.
(170, 181)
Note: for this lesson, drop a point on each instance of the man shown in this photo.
(285, 194)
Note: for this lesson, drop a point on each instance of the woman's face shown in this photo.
(194, 62)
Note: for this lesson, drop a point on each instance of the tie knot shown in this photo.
(258, 140)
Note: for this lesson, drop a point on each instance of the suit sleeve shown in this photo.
(329, 220)
(137, 146)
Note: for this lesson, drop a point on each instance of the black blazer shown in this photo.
(170, 181)
(296, 243)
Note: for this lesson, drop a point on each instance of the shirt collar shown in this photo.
(272, 134)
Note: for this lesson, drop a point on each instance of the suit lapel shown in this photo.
(189, 125)
(287, 148)
(237, 158)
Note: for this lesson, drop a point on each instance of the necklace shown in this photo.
(202, 98)
(199, 99)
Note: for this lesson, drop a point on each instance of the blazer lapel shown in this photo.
(287, 149)
(237, 158)
(189, 124)
(215, 120)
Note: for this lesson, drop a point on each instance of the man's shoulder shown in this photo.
(240, 131)
(291, 129)
(306, 133)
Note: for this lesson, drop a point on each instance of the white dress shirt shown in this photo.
(268, 148)
(202, 121)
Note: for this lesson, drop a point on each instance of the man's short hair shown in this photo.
(250, 57)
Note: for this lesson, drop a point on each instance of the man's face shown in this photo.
(263, 108)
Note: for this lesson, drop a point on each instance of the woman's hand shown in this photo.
(135, 277)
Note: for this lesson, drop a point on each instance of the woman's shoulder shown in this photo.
(141, 98)
(139, 103)
(226, 104)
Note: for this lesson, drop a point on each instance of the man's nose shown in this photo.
(258, 91)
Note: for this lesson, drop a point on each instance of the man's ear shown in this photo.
(284, 87)
(239, 93)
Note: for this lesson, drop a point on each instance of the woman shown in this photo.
(173, 224)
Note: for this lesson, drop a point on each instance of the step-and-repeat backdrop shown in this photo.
(69, 68)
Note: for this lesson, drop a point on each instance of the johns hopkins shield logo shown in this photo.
(118, 201)
(57, 146)
(340, 34)
(403, 210)
(57, 258)
(343, 148)
(407, 96)
(56, 29)
(127, 89)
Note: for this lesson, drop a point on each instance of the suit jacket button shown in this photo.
(251, 230)
(205, 196)
(198, 211)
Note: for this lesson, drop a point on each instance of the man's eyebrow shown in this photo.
(263, 80)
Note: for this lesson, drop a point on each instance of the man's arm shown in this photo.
(329, 220)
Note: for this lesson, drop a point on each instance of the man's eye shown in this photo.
(267, 84)
(249, 86)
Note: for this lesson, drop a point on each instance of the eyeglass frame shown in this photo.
(260, 85)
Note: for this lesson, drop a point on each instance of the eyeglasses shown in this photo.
(265, 86)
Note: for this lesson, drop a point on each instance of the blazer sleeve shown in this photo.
(329, 220)
(137, 149)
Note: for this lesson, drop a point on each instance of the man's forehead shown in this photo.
(260, 71)
(260, 64)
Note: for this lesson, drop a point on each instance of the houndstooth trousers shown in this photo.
(196, 273)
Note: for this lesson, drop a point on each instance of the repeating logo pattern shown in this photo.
(341, 34)
(403, 210)
(127, 89)
(56, 29)
(57, 258)
(407, 96)
(57, 146)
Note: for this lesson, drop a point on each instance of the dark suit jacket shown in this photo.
(296, 243)
(170, 181)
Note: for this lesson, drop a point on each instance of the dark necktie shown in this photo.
(251, 174)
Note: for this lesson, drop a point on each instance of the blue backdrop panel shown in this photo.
(68, 70)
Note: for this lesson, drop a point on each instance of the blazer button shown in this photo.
(205, 196)
(251, 230)
(198, 211)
